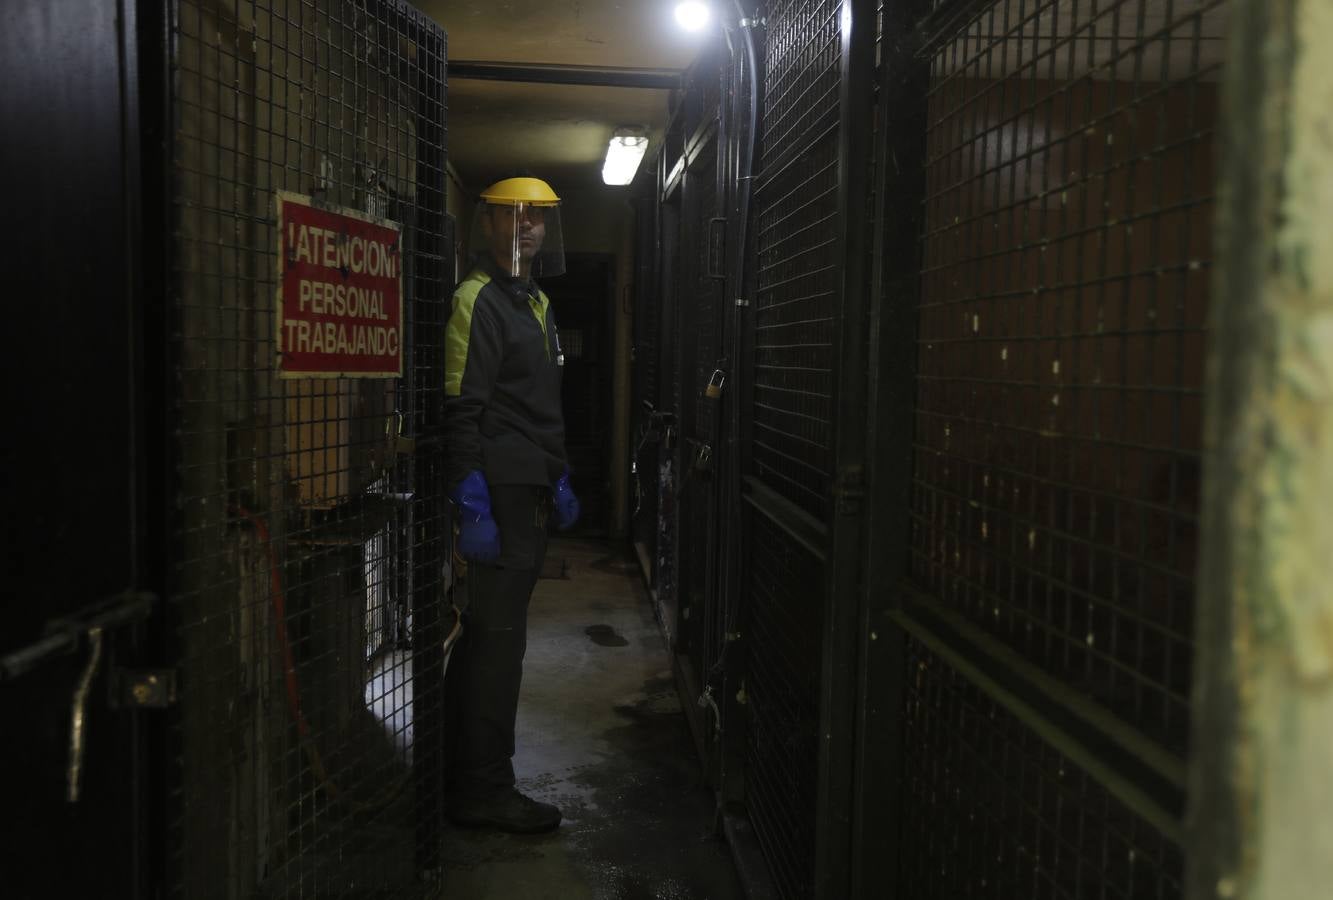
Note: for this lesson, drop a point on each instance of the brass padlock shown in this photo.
(715, 383)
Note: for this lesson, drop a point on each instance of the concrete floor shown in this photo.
(600, 734)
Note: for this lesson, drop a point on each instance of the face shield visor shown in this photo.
(524, 238)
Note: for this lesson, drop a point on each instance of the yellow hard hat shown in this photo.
(532, 191)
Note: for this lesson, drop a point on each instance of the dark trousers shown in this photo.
(486, 665)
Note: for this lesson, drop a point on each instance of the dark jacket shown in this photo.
(502, 367)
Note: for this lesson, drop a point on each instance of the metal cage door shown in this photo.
(309, 538)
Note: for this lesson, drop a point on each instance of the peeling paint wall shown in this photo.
(1262, 822)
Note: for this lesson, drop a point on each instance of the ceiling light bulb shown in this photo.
(623, 154)
(692, 15)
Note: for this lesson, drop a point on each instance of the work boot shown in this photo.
(506, 810)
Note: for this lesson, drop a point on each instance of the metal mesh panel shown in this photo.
(801, 78)
(783, 634)
(706, 293)
(1064, 292)
(702, 349)
(309, 541)
(796, 303)
(993, 811)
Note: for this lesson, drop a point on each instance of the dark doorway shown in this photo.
(583, 313)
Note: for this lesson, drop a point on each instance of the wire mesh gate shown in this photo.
(310, 541)
(1060, 274)
(772, 699)
(702, 375)
(1042, 205)
(790, 452)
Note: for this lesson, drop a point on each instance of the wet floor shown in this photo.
(600, 734)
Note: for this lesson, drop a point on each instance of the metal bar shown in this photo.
(699, 140)
(156, 41)
(1157, 771)
(140, 107)
(844, 613)
(66, 632)
(804, 528)
(899, 158)
(543, 73)
(429, 516)
(1080, 753)
(673, 180)
(733, 530)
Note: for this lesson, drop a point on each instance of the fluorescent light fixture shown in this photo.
(623, 156)
(693, 15)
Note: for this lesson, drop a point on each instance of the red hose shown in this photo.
(284, 644)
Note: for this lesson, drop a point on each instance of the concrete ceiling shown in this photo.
(558, 131)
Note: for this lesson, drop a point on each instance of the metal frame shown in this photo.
(843, 621)
(900, 125)
(733, 531)
(532, 73)
(435, 531)
(160, 749)
(1144, 777)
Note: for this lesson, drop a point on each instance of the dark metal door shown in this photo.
(74, 462)
(703, 373)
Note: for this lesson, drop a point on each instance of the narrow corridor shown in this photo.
(951, 381)
(602, 735)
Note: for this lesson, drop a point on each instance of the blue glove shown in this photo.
(566, 504)
(479, 536)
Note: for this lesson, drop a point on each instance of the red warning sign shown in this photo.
(340, 292)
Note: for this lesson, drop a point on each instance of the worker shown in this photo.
(507, 471)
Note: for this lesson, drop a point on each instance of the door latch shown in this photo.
(78, 717)
(143, 688)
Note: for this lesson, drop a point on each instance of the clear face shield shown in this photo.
(524, 239)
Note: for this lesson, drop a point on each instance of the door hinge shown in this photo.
(849, 492)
